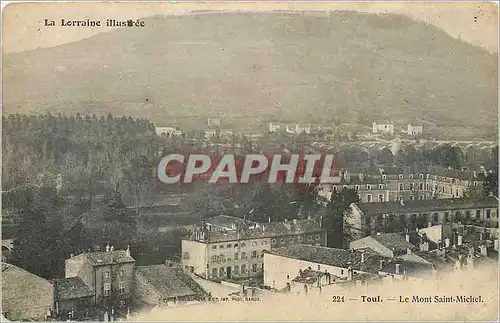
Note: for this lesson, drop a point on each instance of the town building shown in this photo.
(383, 128)
(298, 129)
(25, 296)
(285, 265)
(404, 183)
(211, 122)
(109, 274)
(173, 131)
(165, 285)
(73, 299)
(275, 127)
(370, 218)
(414, 130)
(238, 254)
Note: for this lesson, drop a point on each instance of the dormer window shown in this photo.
(411, 176)
(368, 187)
(380, 186)
(400, 176)
(356, 187)
(384, 176)
(421, 176)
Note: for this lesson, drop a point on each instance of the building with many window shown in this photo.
(401, 183)
(370, 218)
(233, 254)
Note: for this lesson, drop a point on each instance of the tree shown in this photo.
(338, 231)
(138, 175)
(490, 185)
(385, 157)
(272, 204)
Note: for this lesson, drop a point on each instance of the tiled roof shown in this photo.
(71, 288)
(411, 268)
(393, 240)
(268, 230)
(102, 258)
(309, 276)
(342, 258)
(426, 205)
(169, 282)
(227, 221)
(406, 170)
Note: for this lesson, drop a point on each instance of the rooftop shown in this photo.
(102, 258)
(267, 230)
(393, 240)
(376, 208)
(227, 221)
(342, 258)
(169, 282)
(71, 288)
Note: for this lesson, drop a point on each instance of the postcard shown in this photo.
(250, 161)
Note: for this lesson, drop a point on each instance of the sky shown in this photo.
(23, 23)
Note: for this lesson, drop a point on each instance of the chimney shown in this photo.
(429, 224)
(447, 242)
(107, 247)
(474, 174)
(407, 237)
(440, 244)
(363, 257)
(111, 248)
(460, 239)
(382, 264)
(127, 252)
(408, 251)
(416, 229)
(480, 236)
(483, 249)
(398, 269)
(71, 256)
(286, 220)
(361, 176)
(294, 221)
(309, 217)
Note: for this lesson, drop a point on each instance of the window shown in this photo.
(214, 247)
(221, 246)
(264, 243)
(243, 269)
(309, 238)
(319, 267)
(254, 244)
(381, 198)
(421, 176)
(368, 187)
(335, 188)
(356, 187)
(400, 176)
(421, 197)
(475, 183)
(243, 255)
(435, 217)
(412, 186)
(121, 287)
(236, 270)
(106, 275)
(412, 197)
(478, 213)
(107, 289)
(427, 186)
(341, 271)
(254, 254)
(384, 176)
(488, 214)
(410, 176)
(235, 245)
(401, 187)
(221, 272)
(254, 268)
(229, 246)
(317, 237)
(368, 197)
(421, 186)
(214, 272)
(236, 255)
(282, 240)
(243, 245)
(380, 186)
(214, 258)
(122, 273)
(273, 241)
(299, 238)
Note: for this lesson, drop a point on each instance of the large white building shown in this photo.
(414, 130)
(383, 128)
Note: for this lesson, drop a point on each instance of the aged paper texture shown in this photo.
(253, 161)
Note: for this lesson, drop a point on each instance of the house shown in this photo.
(25, 296)
(174, 131)
(73, 299)
(385, 244)
(365, 218)
(109, 274)
(283, 265)
(383, 128)
(414, 130)
(164, 285)
(213, 123)
(274, 127)
(238, 254)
